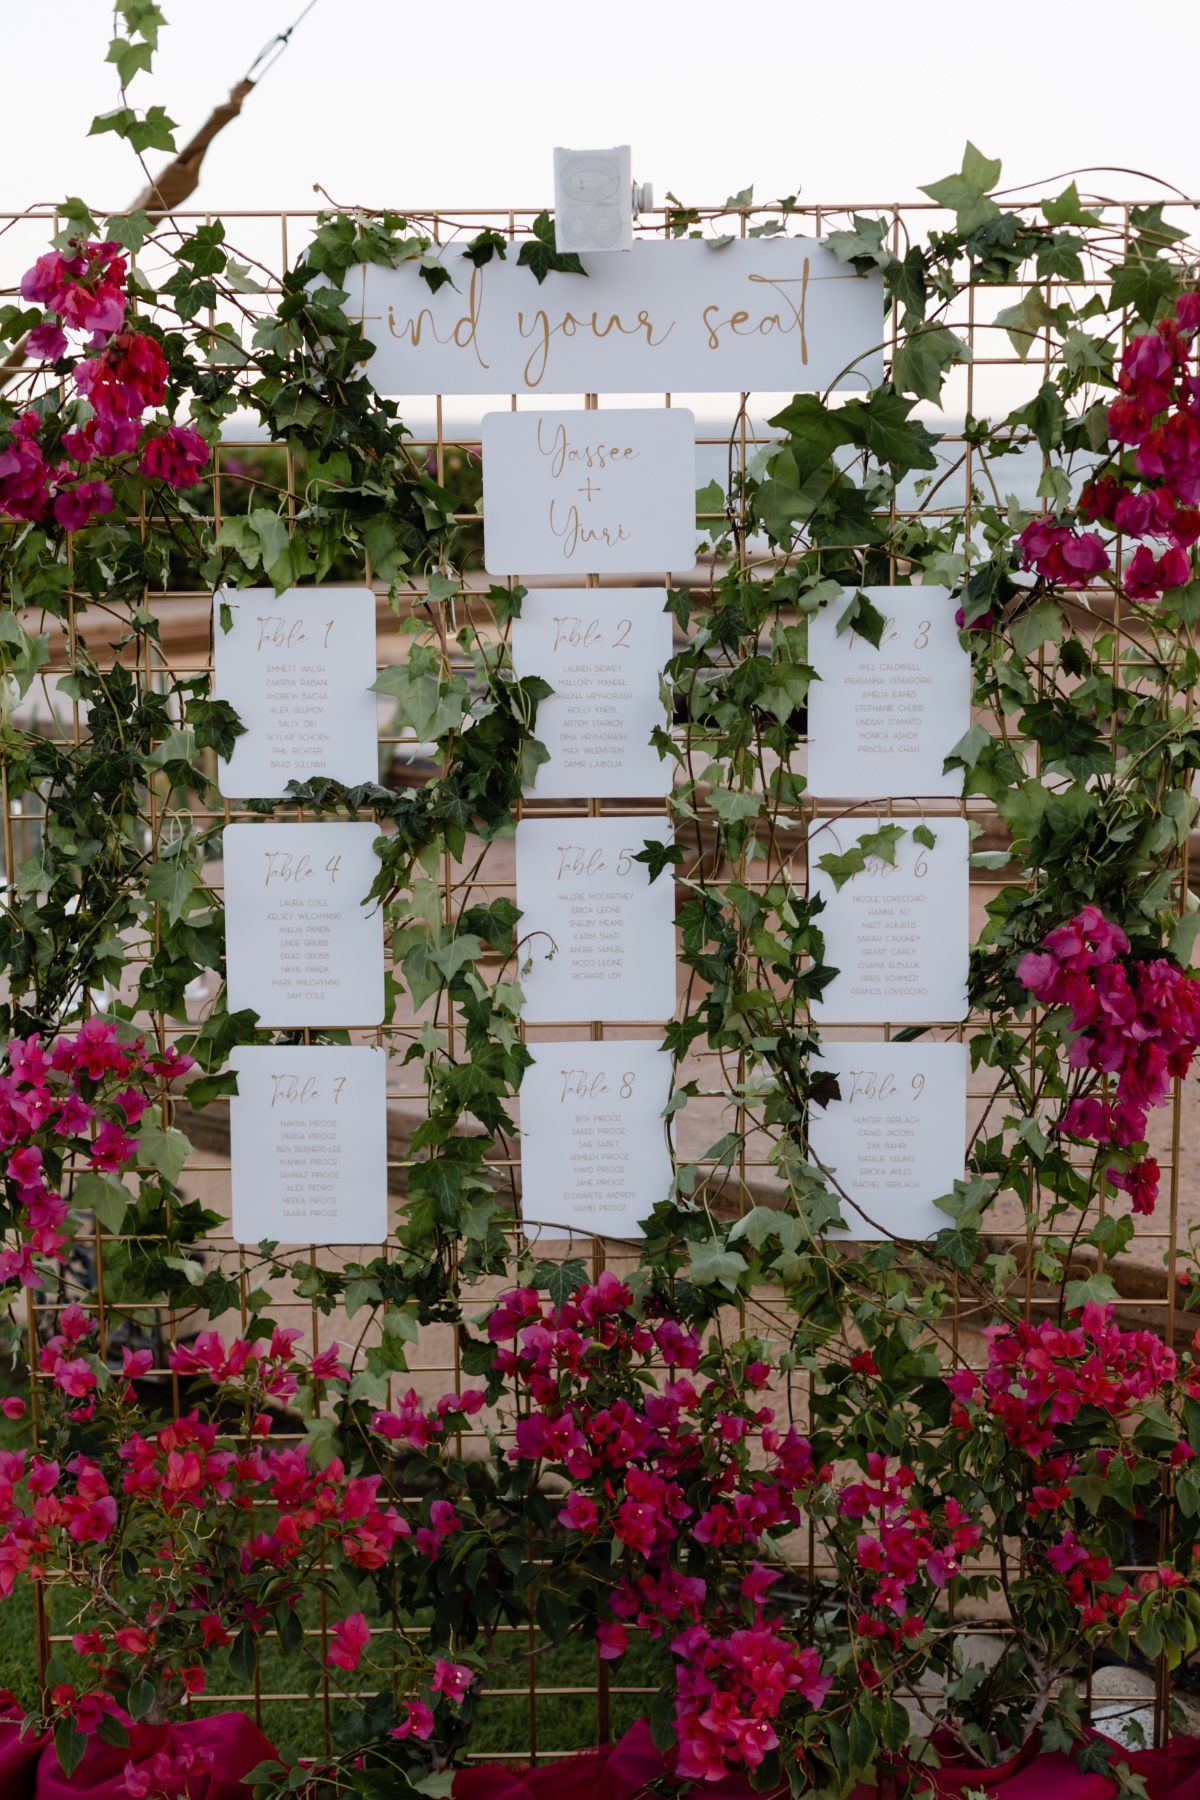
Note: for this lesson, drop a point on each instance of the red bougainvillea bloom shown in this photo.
(86, 290)
(1061, 555)
(24, 476)
(75, 507)
(177, 457)
(350, 1639)
(417, 1721)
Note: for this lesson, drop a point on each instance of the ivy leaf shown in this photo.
(129, 58)
(658, 856)
(1024, 321)
(965, 194)
(483, 246)
(842, 867)
(864, 246)
(1068, 209)
(814, 432)
(923, 835)
(920, 363)
(165, 1150)
(863, 619)
(1141, 284)
(130, 229)
(104, 1196)
(171, 883)
(541, 256)
(712, 1263)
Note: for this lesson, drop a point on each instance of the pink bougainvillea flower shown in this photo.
(177, 457)
(417, 1721)
(350, 1639)
(452, 1679)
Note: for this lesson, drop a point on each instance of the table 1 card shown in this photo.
(881, 722)
(297, 669)
(895, 1140)
(300, 947)
(589, 493)
(308, 1144)
(603, 653)
(594, 1153)
(598, 934)
(897, 933)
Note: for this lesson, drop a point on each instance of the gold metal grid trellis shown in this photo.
(996, 379)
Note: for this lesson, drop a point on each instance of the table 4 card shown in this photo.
(300, 947)
(297, 668)
(589, 493)
(597, 934)
(897, 932)
(603, 653)
(308, 1144)
(881, 722)
(594, 1153)
(895, 1141)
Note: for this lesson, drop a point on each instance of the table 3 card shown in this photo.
(881, 722)
(589, 493)
(603, 653)
(895, 1140)
(301, 948)
(598, 935)
(594, 1154)
(896, 932)
(308, 1144)
(297, 668)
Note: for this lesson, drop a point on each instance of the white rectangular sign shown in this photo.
(603, 653)
(300, 947)
(898, 932)
(589, 492)
(598, 934)
(895, 1141)
(594, 1154)
(881, 722)
(308, 1144)
(763, 315)
(297, 668)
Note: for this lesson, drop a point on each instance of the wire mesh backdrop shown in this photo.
(561, 1698)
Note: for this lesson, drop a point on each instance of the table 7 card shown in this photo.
(297, 669)
(598, 934)
(301, 948)
(308, 1144)
(895, 1140)
(603, 653)
(897, 932)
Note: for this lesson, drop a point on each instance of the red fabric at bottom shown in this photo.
(29, 1768)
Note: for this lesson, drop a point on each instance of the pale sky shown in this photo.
(444, 104)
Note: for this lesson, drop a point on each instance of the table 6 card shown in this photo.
(594, 1154)
(598, 934)
(308, 1144)
(589, 493)
(603, 653)
(896, 932)
(300, 947)
(297, 668)
(881, 722)
(895, 1141)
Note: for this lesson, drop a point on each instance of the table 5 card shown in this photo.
(603, 653)
(594, 1155)
(895, 1140)
(301, 948)
(598, 935)
(308, 1144)
(881, 722)
(297, 668)
(896, 932)
(589, 493)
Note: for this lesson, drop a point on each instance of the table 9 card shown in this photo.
(881, 722)
(603, 653)
(297, 669)
(308, 1144)
(594, 1154)
(597, 934)
(895, 1140)
(896, 932)
(301, 948)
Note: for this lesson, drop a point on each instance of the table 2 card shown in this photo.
(300, 947)
(308, 1144)
(896, 932)
(297, 668)
(589, 493)
(598, 934)
(594, 1153)
(881, 722)
(603, 653)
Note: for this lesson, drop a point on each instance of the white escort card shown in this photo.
(603, 653)
(762, 315)
(589, 493)
(296, 668)
(300, 947)
(897, 932)
(895, 1141)
(881, 722)
(594, 1154)
(598, 935)
(308, 1144)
